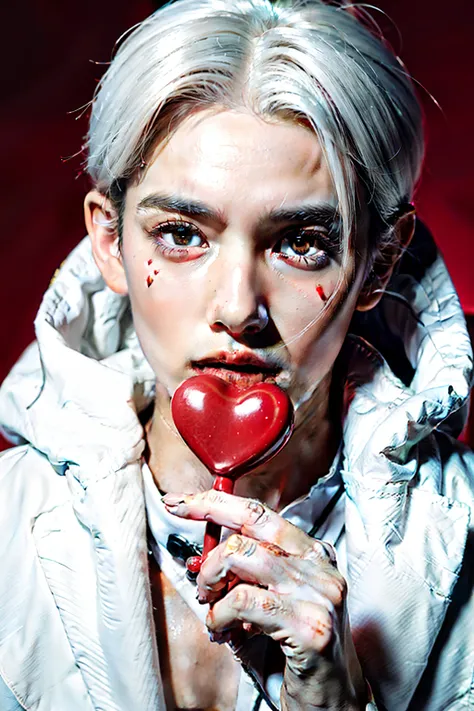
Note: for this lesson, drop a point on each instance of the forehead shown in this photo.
(239, 164)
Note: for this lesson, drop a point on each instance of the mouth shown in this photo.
(242, 370)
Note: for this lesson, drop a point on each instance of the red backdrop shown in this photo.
(46, 56)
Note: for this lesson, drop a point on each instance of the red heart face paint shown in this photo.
(149, 278)
(320, 292)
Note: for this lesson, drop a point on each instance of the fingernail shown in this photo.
(202, 597)
(173, 499)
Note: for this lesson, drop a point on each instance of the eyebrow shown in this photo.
(173, 203)
(321, 213)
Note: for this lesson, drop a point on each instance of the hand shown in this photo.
(288, 586)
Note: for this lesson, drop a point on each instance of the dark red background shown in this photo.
(46, 55)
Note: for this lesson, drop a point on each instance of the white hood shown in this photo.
(74, 392)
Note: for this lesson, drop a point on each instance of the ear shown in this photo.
(385, 262)
(101, 223)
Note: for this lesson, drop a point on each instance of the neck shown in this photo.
(290, 474)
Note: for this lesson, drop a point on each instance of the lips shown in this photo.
(240, 369)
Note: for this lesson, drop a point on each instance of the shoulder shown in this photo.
(30, 492)
(45, 558)
(29, 484)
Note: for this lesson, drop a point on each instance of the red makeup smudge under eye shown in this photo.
(150, 261)
(149, 281)
(320, 293)
(156, 271)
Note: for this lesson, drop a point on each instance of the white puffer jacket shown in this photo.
(76, 629)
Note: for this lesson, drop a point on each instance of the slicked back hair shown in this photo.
(311, 62)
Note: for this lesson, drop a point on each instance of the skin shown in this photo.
(232, 290)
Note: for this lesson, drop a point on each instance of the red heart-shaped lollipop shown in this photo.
(229, 429)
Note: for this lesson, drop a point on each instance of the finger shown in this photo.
(301, 627)
(252, 561)
(250, 517)
(311, 577)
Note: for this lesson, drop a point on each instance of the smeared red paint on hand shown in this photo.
(276, 550)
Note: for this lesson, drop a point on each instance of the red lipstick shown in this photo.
(242, 368)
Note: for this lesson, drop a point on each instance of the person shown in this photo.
(251, 216)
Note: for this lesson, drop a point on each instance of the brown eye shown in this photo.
(300, 247)
(303, 250)
(177, 234)
(183, 236)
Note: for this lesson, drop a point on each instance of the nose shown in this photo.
(237, 306)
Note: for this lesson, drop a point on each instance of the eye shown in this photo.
(179, 234)
(177, 240)
(304, 249)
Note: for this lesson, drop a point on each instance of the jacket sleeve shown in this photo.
(447, 684)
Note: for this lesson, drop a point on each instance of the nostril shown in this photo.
(218, 326)
(254, 328)
(252, 324)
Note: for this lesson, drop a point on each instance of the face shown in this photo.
(232, 250)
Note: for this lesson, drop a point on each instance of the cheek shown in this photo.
(302, 305)
(165, 314)
(313, 320)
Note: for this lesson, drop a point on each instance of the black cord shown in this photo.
(327, 510)
(258, 701)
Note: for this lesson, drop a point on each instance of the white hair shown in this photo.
(305, 61)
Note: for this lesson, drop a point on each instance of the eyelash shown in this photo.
(312, 236)
(172, 227)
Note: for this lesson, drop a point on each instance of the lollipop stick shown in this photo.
(212, 535)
